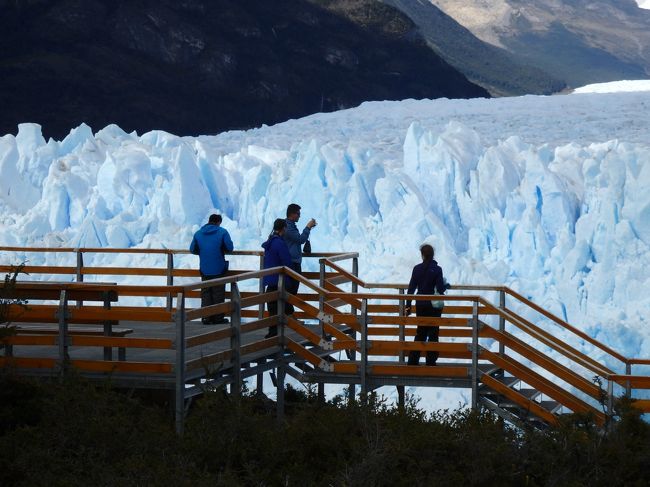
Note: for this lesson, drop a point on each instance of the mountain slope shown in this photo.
(192, 67)
(580, 41)
(489, 66)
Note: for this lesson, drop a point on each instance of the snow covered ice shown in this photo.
(546, 195)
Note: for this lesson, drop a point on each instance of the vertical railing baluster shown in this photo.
(282, 319)
(79, 272)
(502, 320)
(475, 355)
(80, 264)
(282, 316)
(235, 339)
(63, 331)
(108, 326)
(628, 386)
(170, 277)
(321, 298)
(179, 317)
(260, 315)
(402, 338)
(352, 355)
(260, 312)
(321, 323)
(364, 349)
(610, 398)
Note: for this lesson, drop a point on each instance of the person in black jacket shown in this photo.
(426, 279)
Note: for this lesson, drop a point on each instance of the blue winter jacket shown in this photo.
(209, 243)
(276, 254)
(295, 239)
(427, 279)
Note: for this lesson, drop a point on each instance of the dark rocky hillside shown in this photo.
(200, 67)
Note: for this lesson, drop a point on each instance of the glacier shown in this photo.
(546, 195)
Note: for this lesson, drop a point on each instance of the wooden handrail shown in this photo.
(347, 274)
(555, 343)
(130, 250)
(636, 381)
(335, 298)
(333, 257)
(565, 325)
(638, 361)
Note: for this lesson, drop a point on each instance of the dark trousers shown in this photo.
(213, 295)
(292, 285)
(425, 333)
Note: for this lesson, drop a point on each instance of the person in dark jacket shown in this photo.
(209, 243)
(276, 254)
(426, 279)
(294, 240)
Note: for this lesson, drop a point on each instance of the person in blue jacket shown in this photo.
(294, 240)
(426, 279)
(210, 243)
(276, 254)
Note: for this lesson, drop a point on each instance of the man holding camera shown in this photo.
(295, 240)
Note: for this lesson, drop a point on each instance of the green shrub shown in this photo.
(74, 433)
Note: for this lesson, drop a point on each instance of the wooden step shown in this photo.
(508, 381)
(552, 406)
(529, 393)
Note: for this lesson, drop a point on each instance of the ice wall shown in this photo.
(566, 224)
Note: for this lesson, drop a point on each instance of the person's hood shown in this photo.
(209, 229)
(267, 245)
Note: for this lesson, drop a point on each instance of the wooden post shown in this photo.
(502, 320)
(402, 336)
(321, 323)
(108, 326)
(280, 393)
(352, 354)
(321, 298)
(170, 277)
(180, 363)
(282, 318)
(475, 356)
(79, 273)
(80, 264)
(628, 386)
(610, 398)
(63, 331)
(260, 315)
(364, 349)
(235, 339)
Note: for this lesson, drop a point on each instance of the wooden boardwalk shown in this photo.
(516, 367)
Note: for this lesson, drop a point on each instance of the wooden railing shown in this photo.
(365, 325)
(565, 372)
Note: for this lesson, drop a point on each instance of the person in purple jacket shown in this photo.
(276, 254)
(426, 279)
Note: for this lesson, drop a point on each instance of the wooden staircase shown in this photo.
(346, 331)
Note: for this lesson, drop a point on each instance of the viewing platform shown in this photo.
(517, 359)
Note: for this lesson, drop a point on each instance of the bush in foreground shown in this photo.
(71, 433)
